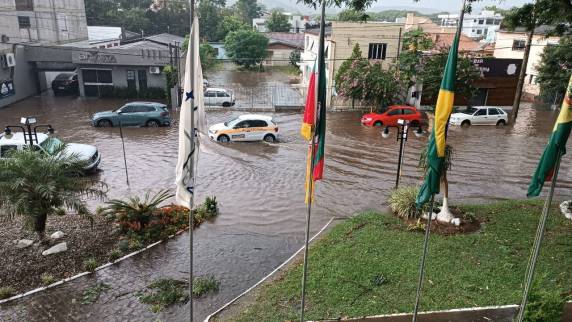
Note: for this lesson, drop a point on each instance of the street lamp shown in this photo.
(28, 132)
(403, 128)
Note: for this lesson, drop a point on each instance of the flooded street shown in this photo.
(260, 187)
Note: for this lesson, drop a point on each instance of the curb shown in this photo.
(65, 280)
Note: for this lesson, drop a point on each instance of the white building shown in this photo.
(480, 26)
(297, 22)
(510, 44)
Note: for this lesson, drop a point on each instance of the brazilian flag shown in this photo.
(556, 146)
(437, 140)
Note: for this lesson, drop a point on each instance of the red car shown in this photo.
(394, 113)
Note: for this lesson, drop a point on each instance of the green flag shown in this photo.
(437, 141)
(556, 146)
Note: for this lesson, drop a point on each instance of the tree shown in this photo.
(352, 15)
(207, 54)
(232, 23)
(278, 22)
(379, 85)
(247, 10)
(349, 78)
(555, 69)
(417, 40)
(246, 48)
(210, 15)
(35, 185)
(410, 59)
(529, 16)
(432, 73)
(295, 57)
(496, 9)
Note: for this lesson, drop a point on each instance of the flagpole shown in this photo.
(310, 185)
(538, 241)
(191, 72)
(430, 216)
(423, 258)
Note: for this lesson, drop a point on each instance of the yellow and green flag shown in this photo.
(437, 140)
(556, 146)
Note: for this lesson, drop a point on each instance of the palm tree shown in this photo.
(34, 184)
(445, 215)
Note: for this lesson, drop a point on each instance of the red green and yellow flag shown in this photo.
(315, 162)
(437, 140)
(556, 146)
(310, 108)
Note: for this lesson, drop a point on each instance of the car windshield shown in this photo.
(64, 76)
(470, 110)
(50, 145)
(231, 122)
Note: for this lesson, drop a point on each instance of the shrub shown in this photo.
(123, 245)
(47, 278)
(205, 285)
(165, 292)
(92, 293)
(6, 292)
(114, 255)
(402, 202)
(90, 264)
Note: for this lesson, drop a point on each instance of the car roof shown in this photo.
(216, 89)
(145, 103)
(18, 138)
(400, 106)
(255, 117)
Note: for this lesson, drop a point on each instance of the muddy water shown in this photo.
(260, 186)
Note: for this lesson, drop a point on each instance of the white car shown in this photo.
(47, 144)
(218, 97)
(480, 115)
(248, 127)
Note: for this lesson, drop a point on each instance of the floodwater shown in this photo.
(259, 186)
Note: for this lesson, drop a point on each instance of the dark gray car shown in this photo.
(149, 114)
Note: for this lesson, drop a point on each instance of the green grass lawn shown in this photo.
(479, 269)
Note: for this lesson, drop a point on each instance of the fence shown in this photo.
(265, 97)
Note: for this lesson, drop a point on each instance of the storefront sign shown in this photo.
(498, 67)
(96, 57)
(6, 88)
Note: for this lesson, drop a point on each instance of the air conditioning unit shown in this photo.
(154, 70)
(10, 60)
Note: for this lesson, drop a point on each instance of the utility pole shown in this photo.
(521, 76)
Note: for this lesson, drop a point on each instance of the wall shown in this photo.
(503, 49)
(278, 55)
(119, 76)
(24, 76)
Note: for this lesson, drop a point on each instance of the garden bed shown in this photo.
(485, 268)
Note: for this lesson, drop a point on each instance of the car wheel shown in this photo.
(378, 123)
(466, 123)
(226, 104)
(269, 138)
(153, 123)
(223, 138)
(501, 123)
(104, 123)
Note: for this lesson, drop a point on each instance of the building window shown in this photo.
(24, 5)
(518, 44)
(479, 31)
(24, 22)
(497, 22)
(481, 21)
(377, 51)
(490, 21)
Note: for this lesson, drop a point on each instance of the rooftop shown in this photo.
(103, 33)
(540, 30)
(444, 40)
(286, 38)
(316, 30)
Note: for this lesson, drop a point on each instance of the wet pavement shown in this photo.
(259, 187)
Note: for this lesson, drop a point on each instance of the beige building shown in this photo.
(379, 41)
(510, 44)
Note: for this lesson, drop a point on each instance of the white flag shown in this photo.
(192, 111)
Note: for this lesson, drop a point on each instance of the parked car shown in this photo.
(394, 113)
(149, 114)
(480, 115)
(248, 127)
(218, 97)
(48, 144)
(65, 83)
